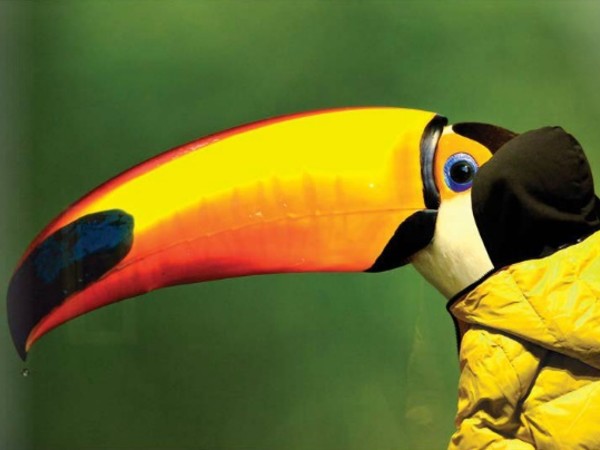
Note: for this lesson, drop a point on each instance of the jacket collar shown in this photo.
(550, 301)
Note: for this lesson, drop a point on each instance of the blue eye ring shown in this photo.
(459, 171)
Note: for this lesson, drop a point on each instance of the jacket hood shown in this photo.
(534, 196)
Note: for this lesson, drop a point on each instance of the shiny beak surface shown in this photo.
(320, 191)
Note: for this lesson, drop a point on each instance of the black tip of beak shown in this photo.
(64, 263)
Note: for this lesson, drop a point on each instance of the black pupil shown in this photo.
(461, 172)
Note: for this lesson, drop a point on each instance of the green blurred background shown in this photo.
(320, 362)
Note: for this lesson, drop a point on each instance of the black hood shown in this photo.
(534, 196)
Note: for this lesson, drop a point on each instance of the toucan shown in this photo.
(342, 190)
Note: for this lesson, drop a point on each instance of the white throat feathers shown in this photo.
(456, 257)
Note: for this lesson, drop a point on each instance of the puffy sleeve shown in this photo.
(497, 372)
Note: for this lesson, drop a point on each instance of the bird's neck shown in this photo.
(456, 257)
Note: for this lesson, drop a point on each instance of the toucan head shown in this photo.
(347, 190)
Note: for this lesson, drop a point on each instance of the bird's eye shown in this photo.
(459, 171)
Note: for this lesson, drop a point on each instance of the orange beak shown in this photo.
(320, 191)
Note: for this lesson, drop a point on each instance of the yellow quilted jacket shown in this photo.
(530, 355)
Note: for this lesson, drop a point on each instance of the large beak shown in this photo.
(322, 191)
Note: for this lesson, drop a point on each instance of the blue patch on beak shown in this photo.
(66, 262)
